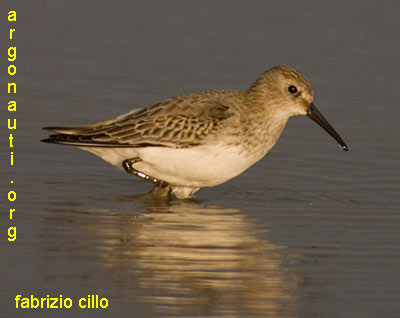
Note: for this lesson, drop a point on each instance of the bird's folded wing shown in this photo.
(179, 125)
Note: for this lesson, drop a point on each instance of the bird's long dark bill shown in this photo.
(316, 116)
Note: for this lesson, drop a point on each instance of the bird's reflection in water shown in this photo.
(186, 259)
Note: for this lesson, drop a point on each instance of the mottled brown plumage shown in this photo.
(201, 139)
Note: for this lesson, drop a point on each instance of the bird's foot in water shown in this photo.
(183, 192)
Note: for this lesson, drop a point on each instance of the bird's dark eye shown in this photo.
(292, 89)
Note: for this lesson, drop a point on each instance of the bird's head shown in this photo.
(286, 92)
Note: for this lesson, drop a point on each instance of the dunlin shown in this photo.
(202, 139)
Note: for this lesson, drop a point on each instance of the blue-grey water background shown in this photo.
(309, 231)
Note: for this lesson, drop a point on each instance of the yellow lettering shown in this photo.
(69, 300)
(11, 33)
(80, 302)
(12, 196)
(54, 301)
(14, 126)
(11, 139)
(34, 302)
(12, 106)
(12, 159)
(12, 16)
(17, 298)
(12, 235)
(12, 53)
(25, 303)
(9, 87)
(11, 212)
(12, 70)
(106, 303)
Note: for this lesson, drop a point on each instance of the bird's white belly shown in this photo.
(199, 166)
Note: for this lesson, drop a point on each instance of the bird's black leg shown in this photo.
(128, 166)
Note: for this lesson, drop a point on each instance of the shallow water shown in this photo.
(309, 231)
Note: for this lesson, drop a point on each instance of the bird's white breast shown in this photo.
(206, 165)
